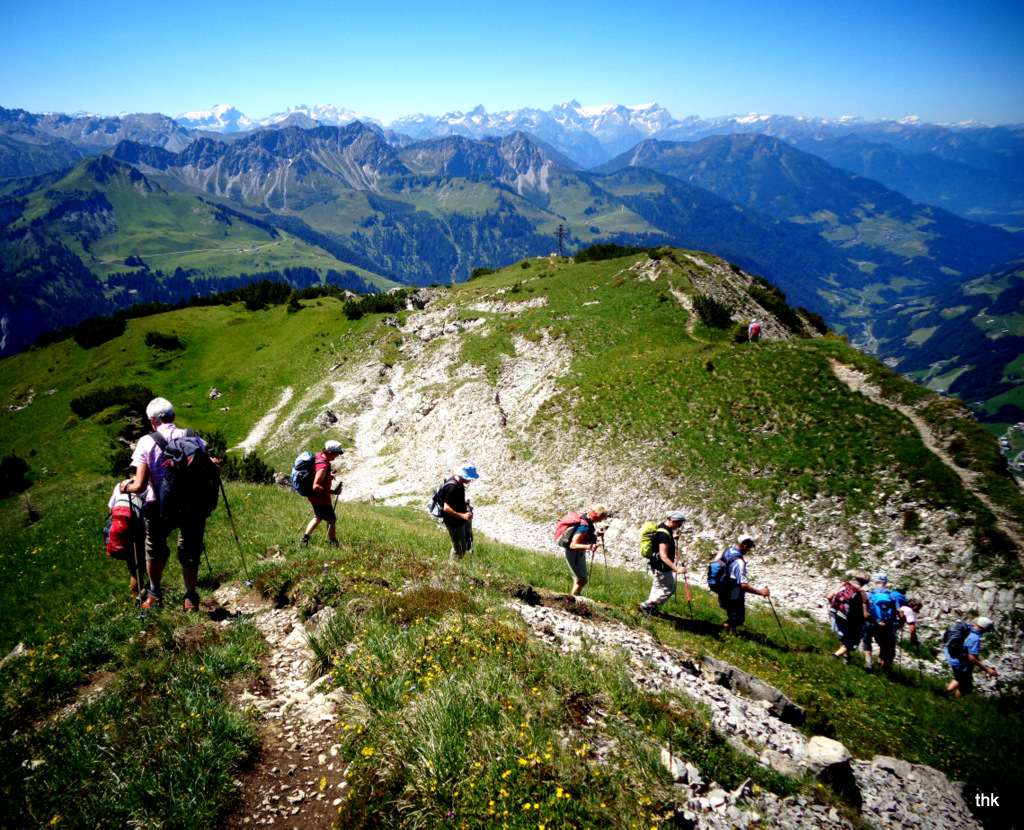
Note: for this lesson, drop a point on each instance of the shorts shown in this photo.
(190, 539)
(577, 561)
(964, 680)
(324, 512)
(735, 610)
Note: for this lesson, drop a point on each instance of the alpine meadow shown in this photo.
(383, 682)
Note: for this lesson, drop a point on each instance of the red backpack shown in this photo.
(840, 602)
(125, 527)
(567, 527)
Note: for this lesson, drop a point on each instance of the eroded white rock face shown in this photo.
(413, 423)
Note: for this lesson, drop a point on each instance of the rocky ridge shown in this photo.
(298, 780)
(414, 422)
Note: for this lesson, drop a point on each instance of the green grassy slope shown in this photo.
(735, 423)
(424, 649)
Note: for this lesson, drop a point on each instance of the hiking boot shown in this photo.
(332, 543)
(647, 612)
(154, 598)
(304, 540)
(191, 602)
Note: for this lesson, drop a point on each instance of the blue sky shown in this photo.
(942, 61)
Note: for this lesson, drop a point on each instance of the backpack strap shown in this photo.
(159, 439)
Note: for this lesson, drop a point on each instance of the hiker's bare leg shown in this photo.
(313, 524)
(577, 586)
(332, 530)
(191, 578)
(156, 573)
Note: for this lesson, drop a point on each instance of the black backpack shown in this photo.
(191, 480)
(954, 639)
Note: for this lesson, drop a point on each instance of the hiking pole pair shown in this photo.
(233, 530)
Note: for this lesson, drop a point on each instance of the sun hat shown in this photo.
(675, 516)
(334, 446)
(880, 578)
(468, 472)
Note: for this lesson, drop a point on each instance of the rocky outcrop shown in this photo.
(892, 794)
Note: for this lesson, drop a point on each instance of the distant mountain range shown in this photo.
(166, 211)
(973, 170)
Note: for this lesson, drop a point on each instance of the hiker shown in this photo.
(149, 475)
(663, 565)
(966, 645)
(754, 331)
(908, 612)
(584, 539)
(457, 512)
(881, 627)
(732, 597)
(320, 494)
(848, 612)
(134, 550)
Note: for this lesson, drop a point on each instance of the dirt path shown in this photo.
(858, 382)
(298, 780)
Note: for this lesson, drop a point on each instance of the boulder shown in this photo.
(737, 680)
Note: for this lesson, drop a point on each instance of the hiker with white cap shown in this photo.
(320, 494)
(732, 597)
(663, 564)
(962, 645)
(457, 513)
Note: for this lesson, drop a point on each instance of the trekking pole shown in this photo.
(233, 530)
(899, 657)
(776, 613)
(604, 552)
(686, 585)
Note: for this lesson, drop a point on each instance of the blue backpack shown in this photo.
(718, 574)
(302, 474)
(883, 607)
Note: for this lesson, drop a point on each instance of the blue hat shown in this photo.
(468, 472)
(880, 578)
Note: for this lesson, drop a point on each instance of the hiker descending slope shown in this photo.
(125, 535)
(577, 534)
(661, 559)
(848, 612)
(733, 587)
(883, 607)
(457, 514)
(908, 616)
(180, 482)
(754, 331)
(962, 645)
(319, 494)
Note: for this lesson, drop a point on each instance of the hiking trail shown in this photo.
(858, 382)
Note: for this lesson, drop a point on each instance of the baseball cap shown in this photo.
(675, 516)
(334, 446)
(745, 538)
(984, 623)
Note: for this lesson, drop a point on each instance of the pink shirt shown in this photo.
(908, 614)
(147, 452)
